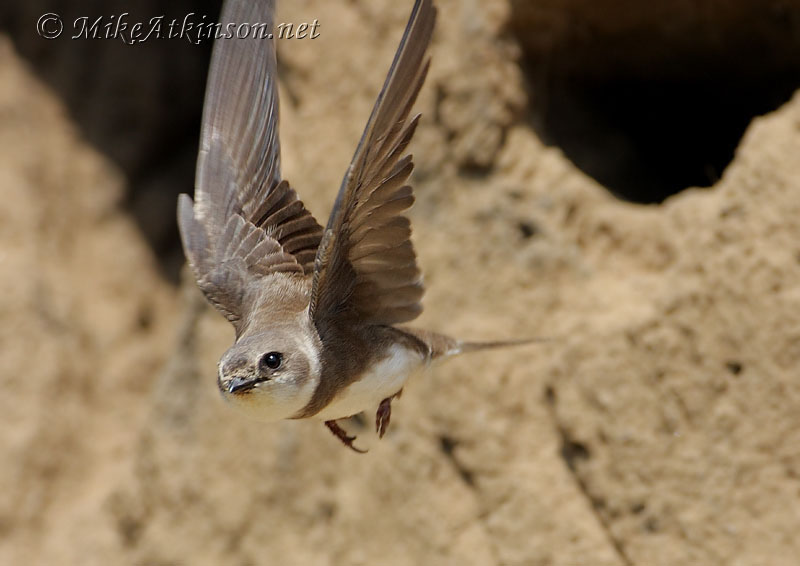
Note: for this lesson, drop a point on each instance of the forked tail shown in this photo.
(443, 346)
(465, 347)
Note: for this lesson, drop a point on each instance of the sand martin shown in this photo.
(315, 310)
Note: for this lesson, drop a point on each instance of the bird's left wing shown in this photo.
(246, 222)
(365, 266)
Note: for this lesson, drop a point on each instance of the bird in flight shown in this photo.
(315, 309)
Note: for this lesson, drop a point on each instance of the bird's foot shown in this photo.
(339, 433)
(384, 414)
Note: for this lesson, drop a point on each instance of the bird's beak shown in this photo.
(241, 385)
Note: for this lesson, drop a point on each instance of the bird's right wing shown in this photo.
(246, 222)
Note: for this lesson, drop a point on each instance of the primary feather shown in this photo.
(246, 223)
(366, 266)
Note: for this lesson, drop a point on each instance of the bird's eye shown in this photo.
(272, 360)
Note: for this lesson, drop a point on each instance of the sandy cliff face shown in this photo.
(659, 426)
(86, 327)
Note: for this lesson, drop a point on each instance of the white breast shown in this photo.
(380, 381)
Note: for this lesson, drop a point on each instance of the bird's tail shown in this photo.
(465, 347)
(442, 346)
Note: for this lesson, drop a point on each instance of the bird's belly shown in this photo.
(383, 379)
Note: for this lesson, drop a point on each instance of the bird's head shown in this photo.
(272, 374)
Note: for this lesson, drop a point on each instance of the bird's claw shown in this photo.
(384, 414)
(339, 433)
(382, 418)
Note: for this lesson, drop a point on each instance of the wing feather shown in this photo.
(246, 222)
(365, 264)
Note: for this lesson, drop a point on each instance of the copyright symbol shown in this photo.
(49, 26)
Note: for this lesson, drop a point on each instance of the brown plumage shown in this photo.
(313, 309)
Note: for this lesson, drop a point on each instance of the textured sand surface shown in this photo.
(660, 426)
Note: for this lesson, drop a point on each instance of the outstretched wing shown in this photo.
(365, 265)
(246, 223)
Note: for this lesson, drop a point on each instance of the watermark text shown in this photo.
(192, 27)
